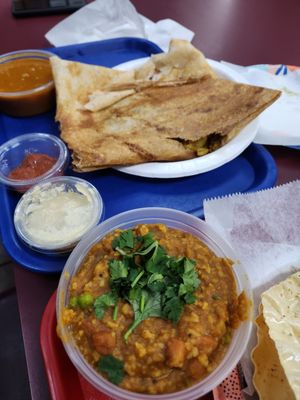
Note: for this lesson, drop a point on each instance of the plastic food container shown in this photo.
(14, 152)
(26, 83)
(178, 220)
(54, 214)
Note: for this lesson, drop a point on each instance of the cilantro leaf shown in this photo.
(118, 269)
(189, 277)
(176, 268)
(173, 308)
(189, 298)
(158, 260)
(102, 303)
(156, 282)
(170, 292)
(112, 367)
(125, 241)
(146, 241)
(144, 306)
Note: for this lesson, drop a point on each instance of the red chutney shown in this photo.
(33, 165)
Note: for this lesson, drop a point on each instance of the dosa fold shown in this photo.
(172, 108)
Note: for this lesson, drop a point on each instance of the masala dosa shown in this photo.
(164, 111)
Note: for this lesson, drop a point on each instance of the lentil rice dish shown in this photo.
(153, 309)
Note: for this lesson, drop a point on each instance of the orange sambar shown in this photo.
(26, 86)
(24, 74)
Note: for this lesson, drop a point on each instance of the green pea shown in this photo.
(227, 337)
(73, 302)
(85, 300)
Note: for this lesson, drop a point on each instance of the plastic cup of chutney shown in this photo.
(26, 83)
(30, 158)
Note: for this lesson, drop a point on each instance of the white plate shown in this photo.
(226, 153)
(279, 123)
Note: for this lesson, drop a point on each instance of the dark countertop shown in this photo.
(242, 32)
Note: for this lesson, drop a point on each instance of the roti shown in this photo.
(172, 108)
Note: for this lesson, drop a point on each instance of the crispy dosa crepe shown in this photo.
(182, 63)
(103, 99)
(172, 108)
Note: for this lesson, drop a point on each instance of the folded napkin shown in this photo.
(279, 123)
(114, 18)
(263, 229)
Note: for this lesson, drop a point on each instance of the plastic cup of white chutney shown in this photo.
(56, 213)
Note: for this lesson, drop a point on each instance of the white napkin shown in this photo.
(263, 228)
(114, 18)
(279, 123)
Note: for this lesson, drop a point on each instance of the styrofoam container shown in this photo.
(178, 220)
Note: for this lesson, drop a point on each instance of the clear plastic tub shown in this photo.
(54, 214)
(178, 220)
(20, 65)
(14, 151)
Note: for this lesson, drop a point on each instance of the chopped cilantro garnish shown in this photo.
(103, 302)
(144, 275)
(189, 298)
(124, 242)
(173, 308)
(112, 367)
(145, 305)
(118, 269)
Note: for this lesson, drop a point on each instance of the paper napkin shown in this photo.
(279, 123)
(109, 19)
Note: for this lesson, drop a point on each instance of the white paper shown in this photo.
(109, 19)
(263, 228)
(279, 123)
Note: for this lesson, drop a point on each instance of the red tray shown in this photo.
(66, 383)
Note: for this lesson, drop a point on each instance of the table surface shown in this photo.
(238, 31)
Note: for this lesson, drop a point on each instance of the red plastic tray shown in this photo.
(66, 383)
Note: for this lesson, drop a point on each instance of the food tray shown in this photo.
(66, 383)
(253, 170)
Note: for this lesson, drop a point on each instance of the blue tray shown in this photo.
(253, 170)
